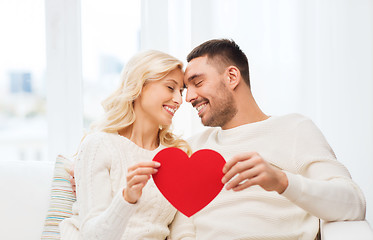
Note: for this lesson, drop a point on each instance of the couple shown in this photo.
(281, 175)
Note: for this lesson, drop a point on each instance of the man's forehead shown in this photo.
(195, 66)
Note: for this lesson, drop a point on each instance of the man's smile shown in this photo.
(200, 106)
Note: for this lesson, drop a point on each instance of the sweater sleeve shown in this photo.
(182, 228)
(322, 186)
(103, 214)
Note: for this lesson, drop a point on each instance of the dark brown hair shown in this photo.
(223, 53)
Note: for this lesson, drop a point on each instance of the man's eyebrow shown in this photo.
(191, 78)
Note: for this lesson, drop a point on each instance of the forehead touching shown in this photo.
(176, 76)
(197, 68)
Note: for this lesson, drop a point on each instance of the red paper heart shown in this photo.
(189, 184)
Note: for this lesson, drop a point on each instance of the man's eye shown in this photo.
(198, 83)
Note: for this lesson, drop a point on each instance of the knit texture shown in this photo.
(101, 211)
(319, 186)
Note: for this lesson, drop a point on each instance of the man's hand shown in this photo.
(72, 179)
(137, 177)
(251, 169)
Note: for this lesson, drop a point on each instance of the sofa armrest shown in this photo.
(346, 230)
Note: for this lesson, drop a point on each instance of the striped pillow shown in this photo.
(61, 199)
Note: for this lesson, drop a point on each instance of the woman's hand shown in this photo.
(137, 177)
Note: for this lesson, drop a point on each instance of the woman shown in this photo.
(116, 197)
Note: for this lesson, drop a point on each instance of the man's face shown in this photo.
(208, 93)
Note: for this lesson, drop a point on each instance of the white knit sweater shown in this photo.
(101, 212)
(319, 186)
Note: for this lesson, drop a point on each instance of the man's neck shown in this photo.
(248, 111)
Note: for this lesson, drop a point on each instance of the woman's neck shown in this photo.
(142, 135)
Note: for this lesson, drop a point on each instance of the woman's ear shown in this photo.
(233, 77)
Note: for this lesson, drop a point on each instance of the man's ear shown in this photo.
(233, 76)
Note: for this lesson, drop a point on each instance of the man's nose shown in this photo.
(191, 94)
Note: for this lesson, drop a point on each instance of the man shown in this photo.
(281, 175)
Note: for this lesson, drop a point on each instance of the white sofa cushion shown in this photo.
(346, 230)
(25, 188)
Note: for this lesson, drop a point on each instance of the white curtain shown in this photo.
(64, 76)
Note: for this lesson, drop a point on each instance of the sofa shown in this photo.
(25, 192)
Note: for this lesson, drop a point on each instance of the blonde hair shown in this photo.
(119, 113)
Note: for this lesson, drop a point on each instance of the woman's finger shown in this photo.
(138, 179)
(152, 164)
(141, 171)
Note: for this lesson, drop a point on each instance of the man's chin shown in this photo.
(203, 121)
(207, 122)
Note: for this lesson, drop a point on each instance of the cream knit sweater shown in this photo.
(101, 212)
(319, 186)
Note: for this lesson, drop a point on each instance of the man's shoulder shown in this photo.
(291, 120)
(293, 117)
(297, 122)
(201, 136)
(283, 124)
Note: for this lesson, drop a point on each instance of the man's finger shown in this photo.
(246, 184)
(71, 172)
(238, 168)
(243, 176)
(238, 158)
(72, 180)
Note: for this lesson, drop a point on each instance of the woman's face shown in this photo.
(160, 99)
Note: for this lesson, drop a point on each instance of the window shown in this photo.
(23, 126)
(110, 37)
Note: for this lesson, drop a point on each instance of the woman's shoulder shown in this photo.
(100, 135)
(98, 138)
(99, 143)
